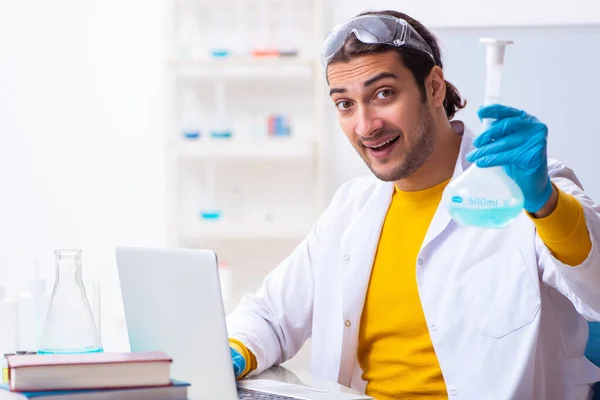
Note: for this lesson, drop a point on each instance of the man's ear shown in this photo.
(436, 86)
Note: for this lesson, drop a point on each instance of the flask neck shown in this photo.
(68, 268)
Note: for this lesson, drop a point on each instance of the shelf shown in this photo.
(244, 68)
(262, 150)
(270, 189)
(218, 230)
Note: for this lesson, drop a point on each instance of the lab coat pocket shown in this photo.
(503, 295)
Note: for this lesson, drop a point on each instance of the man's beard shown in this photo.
(421, 147)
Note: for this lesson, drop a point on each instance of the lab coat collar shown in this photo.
(442, 219)
(466, 146)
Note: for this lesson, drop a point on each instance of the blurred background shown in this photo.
(206, 123)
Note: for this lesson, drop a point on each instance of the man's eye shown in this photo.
(384, 94)
(343, 105)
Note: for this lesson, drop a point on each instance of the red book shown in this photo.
(88, 371)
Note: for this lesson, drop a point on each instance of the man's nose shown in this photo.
(368, 122)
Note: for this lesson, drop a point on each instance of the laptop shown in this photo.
(172, 301)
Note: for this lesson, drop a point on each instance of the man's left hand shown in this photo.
(516, 141)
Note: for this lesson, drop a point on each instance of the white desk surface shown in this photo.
(301, 377)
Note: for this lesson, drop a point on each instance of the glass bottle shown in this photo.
(486, 197)
(69, 325)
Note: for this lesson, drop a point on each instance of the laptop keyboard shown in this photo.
(247, 394)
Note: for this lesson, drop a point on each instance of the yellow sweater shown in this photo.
(396, 354)
(389, 346)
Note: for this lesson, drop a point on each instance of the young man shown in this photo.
(401, 301)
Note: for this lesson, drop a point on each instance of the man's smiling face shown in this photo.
(383, 113)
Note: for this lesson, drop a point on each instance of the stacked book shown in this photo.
(141, 375)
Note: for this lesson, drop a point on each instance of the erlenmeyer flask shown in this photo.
(69, 325)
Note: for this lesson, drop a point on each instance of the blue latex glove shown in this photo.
(239, 362)
(516, 141)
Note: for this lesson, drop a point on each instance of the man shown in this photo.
(401, 301)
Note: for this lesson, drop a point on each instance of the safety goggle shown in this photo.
(374, 29)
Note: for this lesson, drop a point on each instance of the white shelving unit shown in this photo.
(270, 189)
(240, 68)
(278, 179)
(232, 231)
(259, 151)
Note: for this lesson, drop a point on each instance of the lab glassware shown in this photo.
(189, 35)
(288, 31)
(190, 115)
(97, 306)
(209, 210)
(32, 309)
(69, 325)
(486, 197)
(221, 129)
(9, 323)
(264, 46)
(221, 48)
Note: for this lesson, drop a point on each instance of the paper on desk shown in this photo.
(296, 391)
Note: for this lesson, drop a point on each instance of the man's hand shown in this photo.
(517, 141)
(239, 362)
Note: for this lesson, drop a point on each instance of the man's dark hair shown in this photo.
(419, 63)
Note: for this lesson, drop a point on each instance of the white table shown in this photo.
(303, 377)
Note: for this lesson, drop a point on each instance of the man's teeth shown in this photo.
(384, 143)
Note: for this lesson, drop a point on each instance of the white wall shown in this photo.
(483, 13)
(81, 153)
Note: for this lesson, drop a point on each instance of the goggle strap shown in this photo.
(403, 35)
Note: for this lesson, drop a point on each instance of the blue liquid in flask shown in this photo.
(74, 351)
(210, 214)
(484, 197)
(491, 218)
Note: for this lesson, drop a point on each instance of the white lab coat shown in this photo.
(507, 319)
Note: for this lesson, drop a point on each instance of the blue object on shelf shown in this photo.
(221, 134)
(210, 214)
(219, 52)
(191, 134)
(278, 125)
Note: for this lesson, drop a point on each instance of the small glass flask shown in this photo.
(69, 326)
